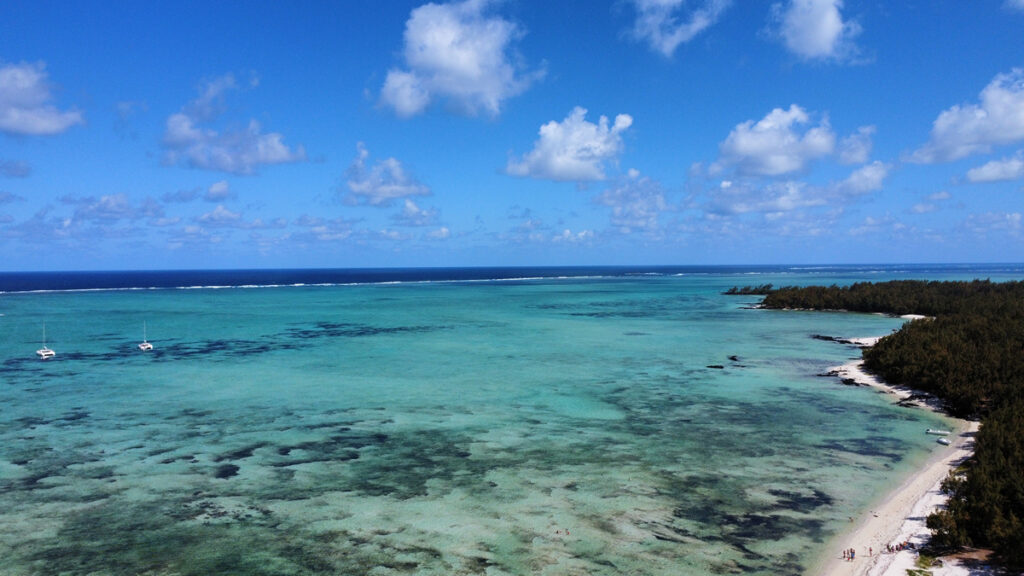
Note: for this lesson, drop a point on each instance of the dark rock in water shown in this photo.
(226, 471)
(716, 366)
(832, 339)
(850, 382)
(734, 358)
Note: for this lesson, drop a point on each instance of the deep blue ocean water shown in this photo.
(439, 421)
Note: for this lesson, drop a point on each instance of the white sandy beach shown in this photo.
(900, 517)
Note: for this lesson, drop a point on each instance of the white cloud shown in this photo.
(455, 52)
(413, 215)
(932, 204)
(441, 233)
(856, 148)
(391, 235)
(404, 92)
(975, 128)
(1004, 169)
(814, 29)
(770, 200)
(113, 207)
(323, 230)
(380, 184)
(773, 147)
(220, 216)
(574, 149)
(232, 151)
(875, 226)
(25, 106)
(567, 236)
(219, 191)
(1015, 4)
(636, 204)
(658, 22)
(988, 222)
(865, 179)
(210, 102)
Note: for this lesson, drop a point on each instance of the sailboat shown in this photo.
(144, 345)
(45, 353)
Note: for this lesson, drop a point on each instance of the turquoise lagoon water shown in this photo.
(623, 424)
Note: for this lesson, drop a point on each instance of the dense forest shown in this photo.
(969, 352)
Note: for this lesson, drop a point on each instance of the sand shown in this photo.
(900, 517)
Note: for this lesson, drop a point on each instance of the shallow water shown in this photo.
(630, 425)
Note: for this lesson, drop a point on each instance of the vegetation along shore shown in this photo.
(968, 352)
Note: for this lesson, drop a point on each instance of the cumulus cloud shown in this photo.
(380, 184)
(814, 29)
(773, 146)
(14, 168)
(456, 53)
(664, 24)
(574, 149)
(1004, 169)
(567, 236)
(931, 204)
(219, 192)
(636, 204)
(220, 216)
(413, 215)
(994, 222)
(771, 200)
(113, 207)
(998, 119)
(856, 148)
(442, 233)
(25, 102)
(324, 230)
(865, 179)
(238, 151)
(792, 198)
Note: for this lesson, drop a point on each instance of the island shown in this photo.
(967, 349)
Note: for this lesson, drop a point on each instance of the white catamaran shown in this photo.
(45, 353)
(144, 345)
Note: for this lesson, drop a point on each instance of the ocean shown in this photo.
(603, 420)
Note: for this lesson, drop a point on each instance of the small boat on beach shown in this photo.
(145, 346)
(943, 441)
(937, 432)
(45, 353)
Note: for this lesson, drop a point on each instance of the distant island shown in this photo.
(969, 352)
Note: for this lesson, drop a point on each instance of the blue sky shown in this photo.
(517, 132)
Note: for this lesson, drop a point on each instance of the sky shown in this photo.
(361, 133)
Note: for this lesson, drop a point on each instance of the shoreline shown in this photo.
(899, 516)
